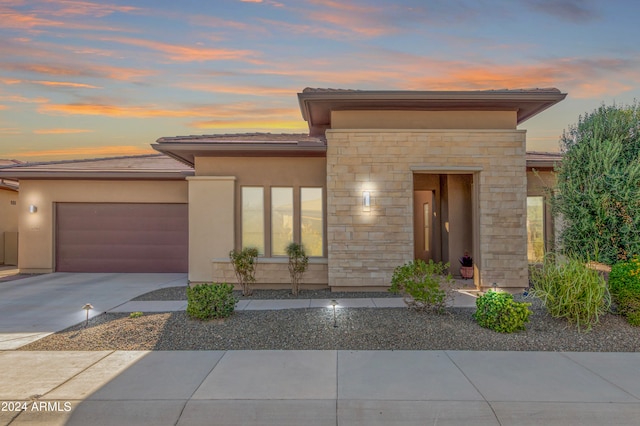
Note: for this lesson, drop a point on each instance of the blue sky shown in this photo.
(91, 79)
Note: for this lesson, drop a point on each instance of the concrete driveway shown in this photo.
(31, 308)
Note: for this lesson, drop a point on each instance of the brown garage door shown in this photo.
(112, 237)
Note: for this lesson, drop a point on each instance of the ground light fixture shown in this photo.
(334, 303)
(87, 307)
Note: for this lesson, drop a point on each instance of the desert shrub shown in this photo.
(597, 192)
(571, 290)
(499, 312)
(624, 285)
(423, 286)
(209, 301)
(244, 265)
(298, 263)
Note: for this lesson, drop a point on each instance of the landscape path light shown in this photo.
(334, 303)
(87, 307)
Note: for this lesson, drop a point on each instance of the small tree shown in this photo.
(244, 265)
(598, 185)
(298, 263)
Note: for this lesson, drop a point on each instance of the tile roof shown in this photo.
(244, 138)
(138, 166)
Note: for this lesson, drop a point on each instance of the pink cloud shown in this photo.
(60, 131)
(65, 84)
(185, 53)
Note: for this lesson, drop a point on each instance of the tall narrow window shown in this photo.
(281, 220)
(311, 221)
(535, 229)
(253, 218)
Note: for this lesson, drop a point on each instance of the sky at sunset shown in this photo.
(84, 79)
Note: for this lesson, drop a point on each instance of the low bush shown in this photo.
(137, 314)
(571, 290)
(209, 301)
(499, 312)
(624, 285)
(423, 286)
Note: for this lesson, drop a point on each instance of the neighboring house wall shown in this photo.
(216, 213)
(365, 247)
(8, 223)
(37, 233)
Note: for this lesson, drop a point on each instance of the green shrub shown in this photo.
(135, 314)
(570, 290)
(423, 286)
(244, 265)
(499, 312)
(298, 263)
(624, 285)
(208, 301)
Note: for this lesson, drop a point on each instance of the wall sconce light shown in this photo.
(33, 209)
(366, 201)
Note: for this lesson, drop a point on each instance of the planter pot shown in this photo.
(466, 272)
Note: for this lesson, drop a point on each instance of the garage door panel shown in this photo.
(112, 237)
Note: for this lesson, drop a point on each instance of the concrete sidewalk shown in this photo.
(320, 388)
(462, 299)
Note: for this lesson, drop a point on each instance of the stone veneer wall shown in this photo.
(365, 247)
(273, 273)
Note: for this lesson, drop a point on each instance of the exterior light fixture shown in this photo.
(366, 201)
(87, 307)
(334, 303)
(33, 208)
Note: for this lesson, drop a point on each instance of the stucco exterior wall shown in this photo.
(211, 223)
(8, 218)
(36, 230)
(265, 172)
(365, 247)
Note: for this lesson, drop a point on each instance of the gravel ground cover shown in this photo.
(357, 329)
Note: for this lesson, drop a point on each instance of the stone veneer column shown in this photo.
(365, 247)
(211, 223)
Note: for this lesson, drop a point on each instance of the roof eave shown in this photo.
(527, 103)
(186, 152)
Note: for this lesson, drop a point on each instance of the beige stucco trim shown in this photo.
(211, 222)
(394, 119)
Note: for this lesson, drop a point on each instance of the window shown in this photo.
(291, 218)
(311, 221)
(535, 229)
(281, 220)
(253, 218)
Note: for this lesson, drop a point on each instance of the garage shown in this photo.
(121, 237)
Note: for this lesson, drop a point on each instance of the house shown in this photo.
(381, 178)
(8, 218)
